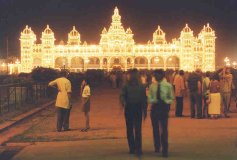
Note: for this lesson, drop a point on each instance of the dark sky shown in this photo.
(143, 16)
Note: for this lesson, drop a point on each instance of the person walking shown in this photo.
(133, 99)
(195, 92)
(179, 86)
(160, 97)
(86, 94)
(63, 101)
(226, 87)
(205, 92)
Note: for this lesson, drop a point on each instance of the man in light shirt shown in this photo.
(226, 86)
(179, 86)
(63, 101)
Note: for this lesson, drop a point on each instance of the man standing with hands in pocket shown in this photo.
(63, 101)
(160, 97)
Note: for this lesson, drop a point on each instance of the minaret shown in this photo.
(27, 41)
(187, 42)
(207, 37)
(47, 40)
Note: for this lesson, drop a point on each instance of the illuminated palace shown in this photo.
(118, 50)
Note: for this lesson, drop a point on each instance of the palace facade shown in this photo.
(118, 50)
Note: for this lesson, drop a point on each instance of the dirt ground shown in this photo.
(189, 139)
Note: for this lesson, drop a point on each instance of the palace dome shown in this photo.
(159, 31)
(74, 32)
(27, 30)
(186, 29)
(48, 30)
(208, 28)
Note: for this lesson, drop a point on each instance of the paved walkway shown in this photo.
(189, 138)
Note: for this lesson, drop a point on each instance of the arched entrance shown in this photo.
(77, 62)
(116, 63)
(93, 63)
(141, 62)
(36, 62)
(61, 62)
(172, 62)
(157, 62)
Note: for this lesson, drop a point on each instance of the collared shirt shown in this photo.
(226, 82)
(86, 92)
(133, 95)
(166, 92)
(64, 87)
(179, 85)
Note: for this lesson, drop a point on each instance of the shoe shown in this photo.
(131, 152)
(165, 155)
(138, 153)
(85, 129)
(226, 116)
(157, 150)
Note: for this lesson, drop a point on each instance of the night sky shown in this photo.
(143, 16)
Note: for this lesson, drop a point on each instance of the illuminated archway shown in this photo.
(61, 62)
(172, 62)
(77, 62)
(140, 62)
(157, 62)
(93, 63)
(116, 62)
(37, 62)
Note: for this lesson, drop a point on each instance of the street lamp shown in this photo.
(17, 65)
(234, 64)
(227, 60)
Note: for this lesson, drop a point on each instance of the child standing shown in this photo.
(86, 93)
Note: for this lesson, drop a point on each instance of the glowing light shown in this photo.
(234, 64)
(156, 60)
(87, 60)
(118, 42)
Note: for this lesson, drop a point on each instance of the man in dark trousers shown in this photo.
(195, 93)
(160, 97)
(133, 98)
(63, 101)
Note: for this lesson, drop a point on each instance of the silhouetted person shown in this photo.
(226, 87)
(206, 92)
(160, 97)
(195, 93)
(63, 101)
(179, 86)
(133, 98)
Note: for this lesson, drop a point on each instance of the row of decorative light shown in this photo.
(6, 66)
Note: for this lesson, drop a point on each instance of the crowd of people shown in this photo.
(209, 94)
